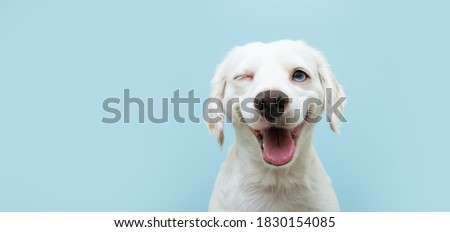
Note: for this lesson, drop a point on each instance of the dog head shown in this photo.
(273, 90)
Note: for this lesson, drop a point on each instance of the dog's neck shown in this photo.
(247, 150)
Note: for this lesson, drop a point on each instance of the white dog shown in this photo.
(273, 165)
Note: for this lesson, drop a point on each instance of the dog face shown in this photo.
(268, 89)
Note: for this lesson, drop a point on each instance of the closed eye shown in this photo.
(244, 77)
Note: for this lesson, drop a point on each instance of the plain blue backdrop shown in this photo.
(60, 60)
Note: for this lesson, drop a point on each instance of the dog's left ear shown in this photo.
(215, 109)
(332, 91)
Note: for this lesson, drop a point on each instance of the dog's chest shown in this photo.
(275, 198)
(246, 188)
(268, 200)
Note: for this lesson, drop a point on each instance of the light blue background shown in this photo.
(60, 60)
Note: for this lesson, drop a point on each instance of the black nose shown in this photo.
(271, 104)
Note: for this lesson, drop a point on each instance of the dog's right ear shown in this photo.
(329, 81)
(215, 109)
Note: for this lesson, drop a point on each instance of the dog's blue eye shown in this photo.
(299, 76)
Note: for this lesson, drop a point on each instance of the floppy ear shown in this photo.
(215, 106)
(332, 91)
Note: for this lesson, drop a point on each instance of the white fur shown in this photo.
(246, 182)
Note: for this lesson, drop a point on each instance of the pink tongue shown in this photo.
(278, 146)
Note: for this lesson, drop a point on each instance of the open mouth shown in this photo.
(278, 144)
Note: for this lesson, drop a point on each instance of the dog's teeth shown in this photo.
(263, 145)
